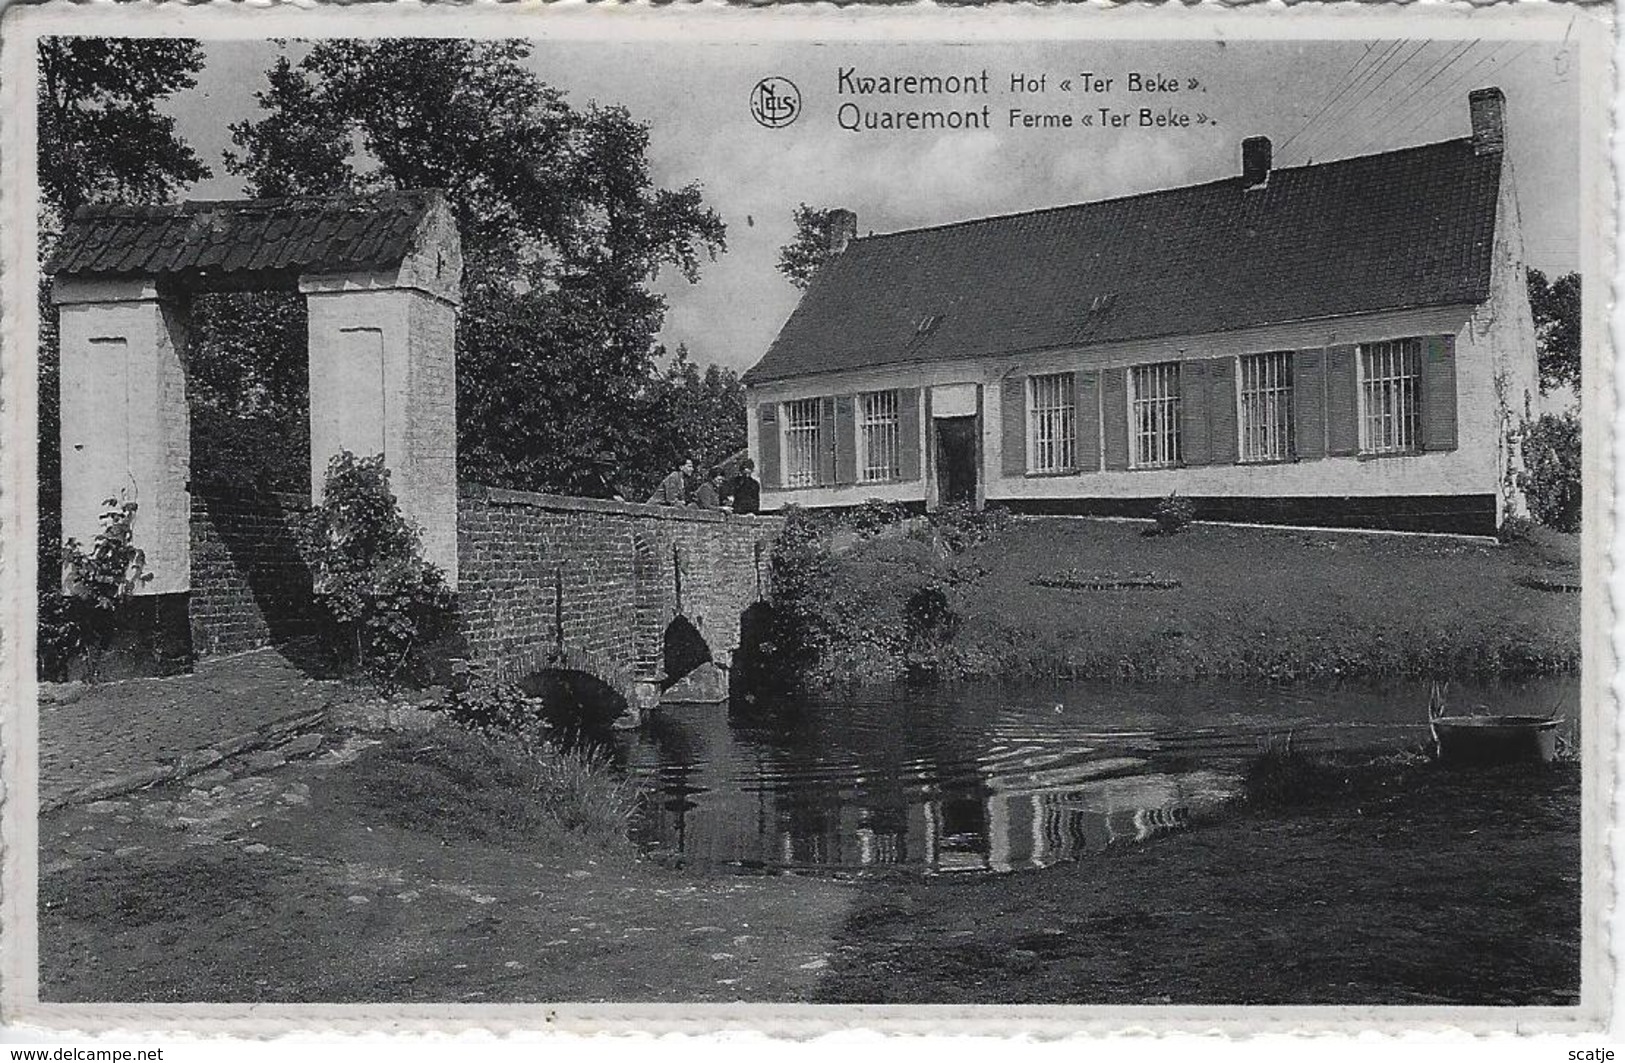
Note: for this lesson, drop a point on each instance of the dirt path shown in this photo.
(278, 886)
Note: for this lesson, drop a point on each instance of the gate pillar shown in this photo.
(383, 377)
(125, 426)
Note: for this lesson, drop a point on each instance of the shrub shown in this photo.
(873, 515)
(369, 574)
(1515, 529)
(84, 615)
(962, 526)
(1173, 514)
(1551, 477)
(499, 709)
(459, 784)
(1281, 776)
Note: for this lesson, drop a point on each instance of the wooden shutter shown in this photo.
(1114, 400)
(1086, 419)
(1439, 393)
(767, 444)
(1224, 444)
(826, 440)
(846, 439)
(1309, 403)
(1013, 425)
(1342, 401)
(908, 433)
(1193, 413)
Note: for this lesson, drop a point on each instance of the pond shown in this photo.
(997, 777)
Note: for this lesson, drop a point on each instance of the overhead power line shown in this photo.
(1333, 96)
(1338, 96)
(1456, 84)
(1411, 97)
(1382, 74)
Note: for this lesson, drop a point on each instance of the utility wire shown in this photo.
(1333, 96)
(1376, 83)
(1410, 98)
(1454, 85)
(1332, 103)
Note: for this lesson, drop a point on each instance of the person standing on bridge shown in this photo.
(673, 490)
(709, 496)
(747, 492)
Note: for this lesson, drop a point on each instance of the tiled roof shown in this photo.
(1401, 229)
(315, 233)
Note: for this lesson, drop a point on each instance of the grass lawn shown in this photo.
(1282, 604)
(1415, 886)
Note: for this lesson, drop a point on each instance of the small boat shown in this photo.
(1488, 739)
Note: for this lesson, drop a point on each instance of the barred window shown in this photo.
(877, 436)
(1390, 396)
(1154, 407)
(803, 443)
(1051, 419)
(1266, 407)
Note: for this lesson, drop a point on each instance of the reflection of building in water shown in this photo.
(726, 794)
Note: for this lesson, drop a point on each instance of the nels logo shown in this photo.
(775, 102)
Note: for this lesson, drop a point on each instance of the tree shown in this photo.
(691, 414)
(562, 229)
(802, 258)
(100, 136)
(1556, 309)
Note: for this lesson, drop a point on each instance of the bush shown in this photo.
(1281, 776)
(1515, 530)
(962, 526)
(369, 574)
(501, 709)
(458, 784)
(873, 515)
(1551, 477)
(84, 615)
(1174, 514)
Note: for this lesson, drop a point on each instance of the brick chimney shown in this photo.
(1255, 162)
(840, 229)
(1488, 107)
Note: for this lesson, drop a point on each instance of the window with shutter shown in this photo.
(1390, 396)
(1051, 423)
(1155, 412)
(1267, 407)
(878, 425)
(803, 442)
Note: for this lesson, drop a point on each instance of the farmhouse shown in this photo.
(1346, 343)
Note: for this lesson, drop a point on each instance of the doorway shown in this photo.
(956, 460)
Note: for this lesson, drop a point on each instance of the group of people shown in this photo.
(715, 492)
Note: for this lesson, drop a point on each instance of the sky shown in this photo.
(1315, 100)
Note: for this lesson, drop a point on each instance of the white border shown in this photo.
(1591, 27)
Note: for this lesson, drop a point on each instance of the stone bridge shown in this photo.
(630, 595)
(636, 596)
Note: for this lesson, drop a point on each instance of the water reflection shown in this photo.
(991, 777)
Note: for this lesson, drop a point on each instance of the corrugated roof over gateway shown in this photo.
(314, 234)
(1400, 229)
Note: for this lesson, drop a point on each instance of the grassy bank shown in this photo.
(1081, 598)
(1402, 884)
(420, 868)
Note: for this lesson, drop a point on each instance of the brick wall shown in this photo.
(250, 588)
(607, 577)
(626, 572)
